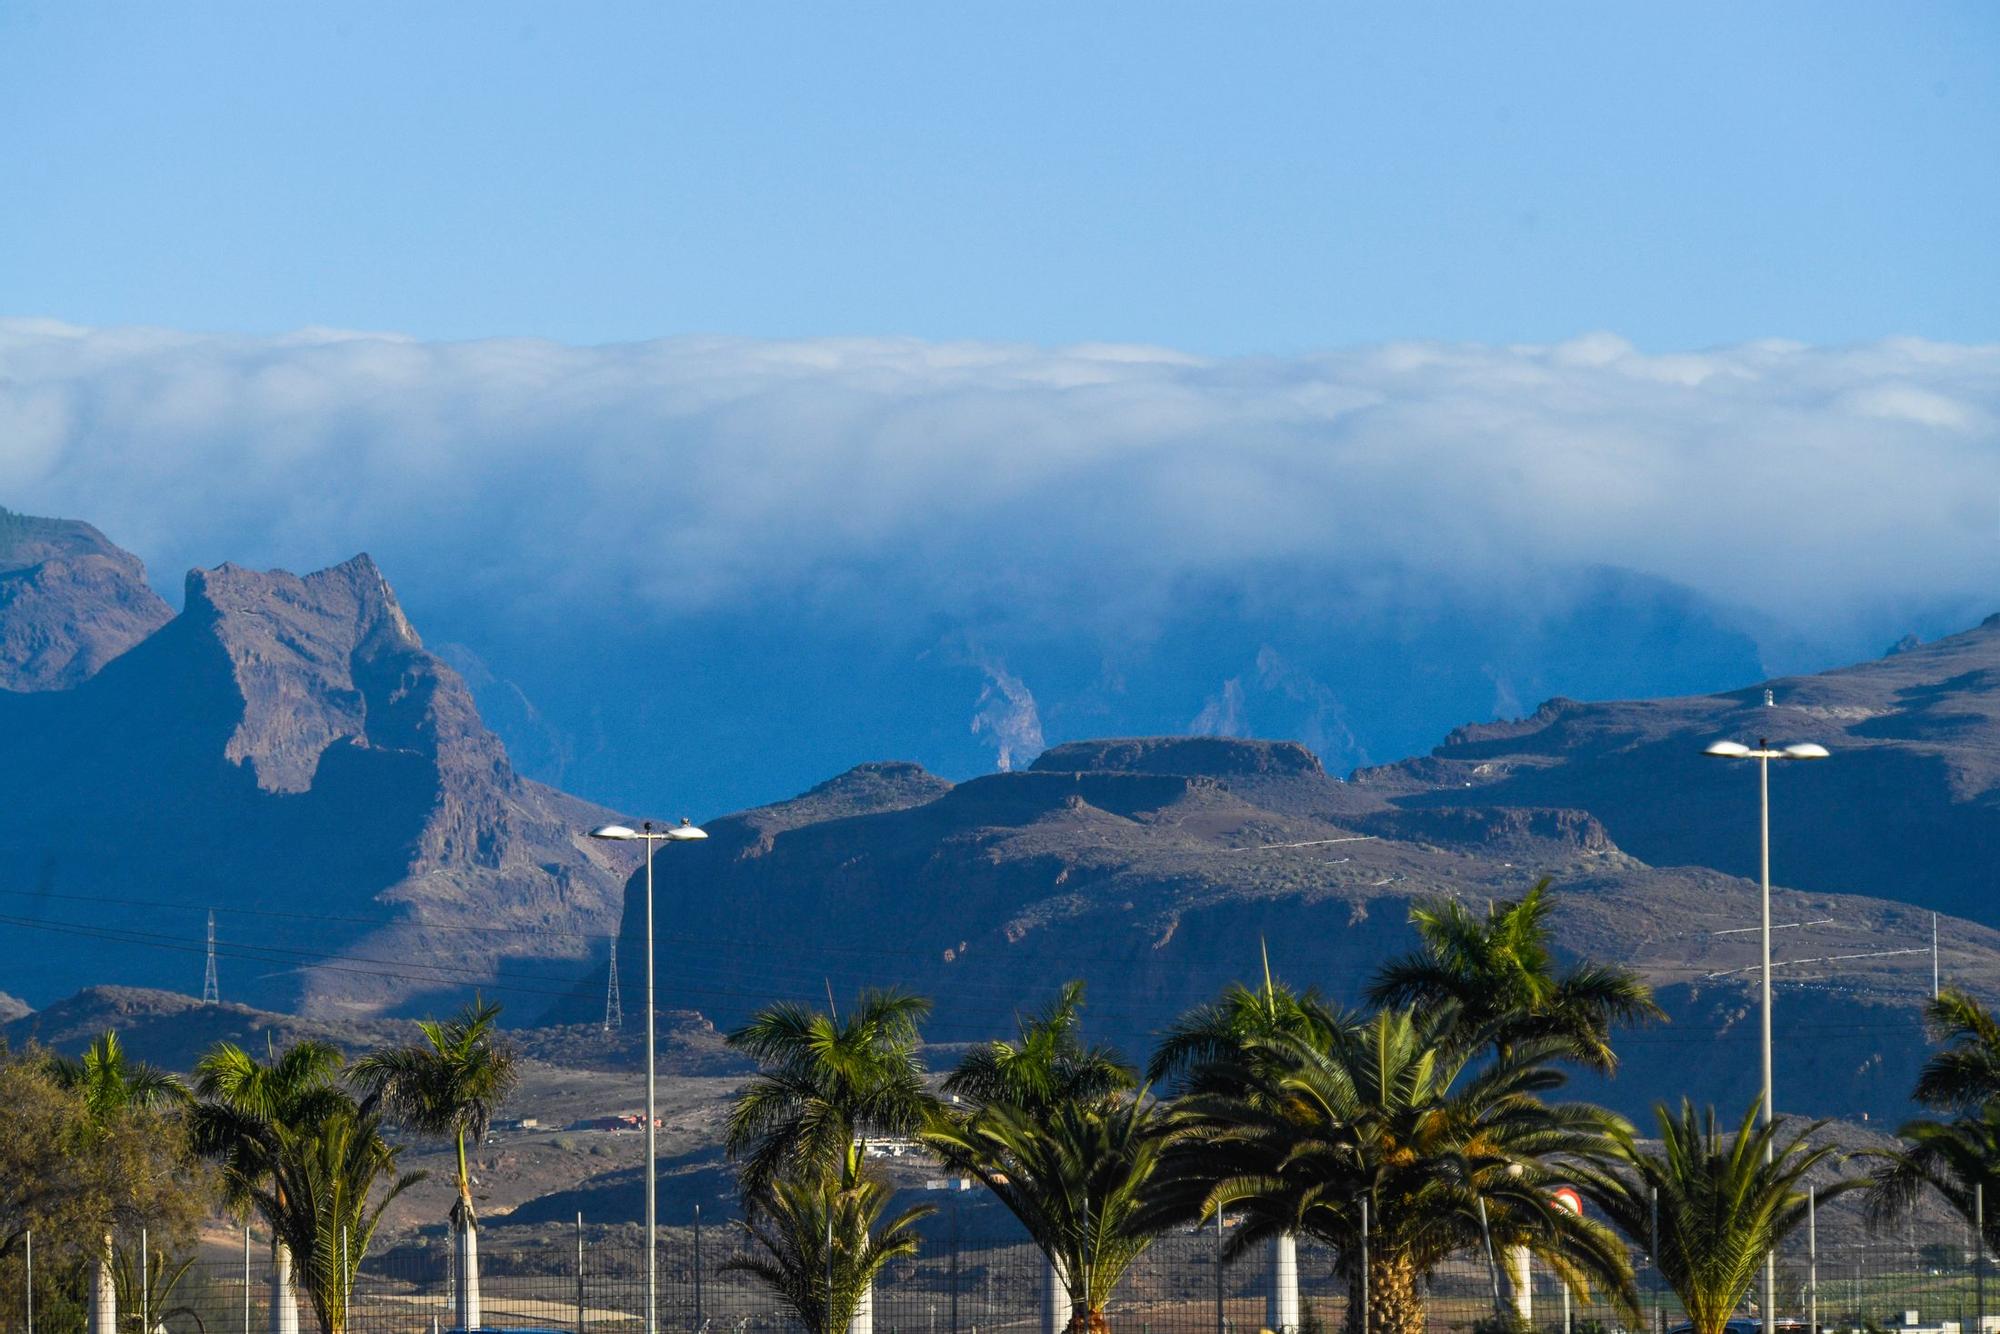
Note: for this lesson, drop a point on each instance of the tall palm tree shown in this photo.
(1384, 1140)
(244, 1105)
(794, 1222)
(1501, 973)
(1215, 1049)
(329, 1182)
(1958, 1160)
(1078, 1175)
(449, 1085)
(826, 1085)
(1721, 1207)
(1050, 1121)
(111, 1084)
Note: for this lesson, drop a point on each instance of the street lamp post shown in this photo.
(681, 833)
(1764, 753)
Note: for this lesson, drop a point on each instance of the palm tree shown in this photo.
(321, 1200)
(449, 1085)
(1214, 1049)
(1966, 1073)
(1721, 1206)
(244, 1106)
(1958, 1160)
(823, 1245)
(111, 1085)
(1502, 975)
(1078, 1175)
(827, 1084)
(1384, 1132)
(1040, 1135)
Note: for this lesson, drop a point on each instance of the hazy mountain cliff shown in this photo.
(287, 752)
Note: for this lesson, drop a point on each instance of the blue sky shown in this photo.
(1225, 179)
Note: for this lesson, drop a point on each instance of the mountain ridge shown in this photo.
(285, 743)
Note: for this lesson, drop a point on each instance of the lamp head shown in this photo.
(1806, 750)
(614, 831)
(1726, 750)
(686, 832)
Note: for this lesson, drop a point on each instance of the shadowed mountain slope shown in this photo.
(1908, 807)
(286, 752)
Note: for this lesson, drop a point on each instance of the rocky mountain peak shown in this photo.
(288, 753)
(325, 658)
(70, 601)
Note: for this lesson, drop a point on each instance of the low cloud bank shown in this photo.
(897, 478)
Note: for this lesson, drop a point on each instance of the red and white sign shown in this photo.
(1565, 1198)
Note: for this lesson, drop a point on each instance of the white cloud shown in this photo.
(1800, 482)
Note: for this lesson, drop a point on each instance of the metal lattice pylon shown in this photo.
(211, 993)
(614, 1009)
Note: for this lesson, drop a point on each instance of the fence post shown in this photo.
(954, 1256)
(346, 1279)
(246, 1277)
(1364, 1264)
(145, 1284)
(698, 1320)
(1653, 1227)
(579, 1272)
(31, 1281)
(1812, 1260)
(1979, 1240)
(1221, 1317)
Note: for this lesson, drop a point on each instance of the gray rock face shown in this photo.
(288, 753)
(70, 602)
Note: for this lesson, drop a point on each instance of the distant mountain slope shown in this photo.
(70, 602)
(1156, 868)
(287, 752)
(1908, 807)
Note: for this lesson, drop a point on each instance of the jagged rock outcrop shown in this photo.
(70, 602)
(287, 752)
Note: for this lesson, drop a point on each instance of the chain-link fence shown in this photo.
(595, 1283)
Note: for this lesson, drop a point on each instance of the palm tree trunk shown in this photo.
(1395, 1305)
(465, 1230)
(284, 1298)
(1281, 1302)
(863, 1320)
(1516, 1265)
(1055, 1299)
(103, 1294)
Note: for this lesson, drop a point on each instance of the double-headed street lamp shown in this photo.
(681, 833)
(1764, 753)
